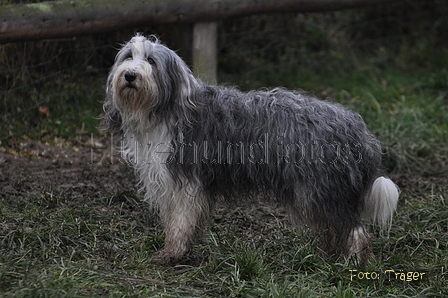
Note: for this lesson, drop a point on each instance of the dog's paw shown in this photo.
(168, 259)
(165, 258)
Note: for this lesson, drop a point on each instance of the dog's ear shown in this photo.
(181, 77)
(182, 85)
(111, 121)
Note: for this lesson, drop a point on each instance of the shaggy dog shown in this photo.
(192, 144)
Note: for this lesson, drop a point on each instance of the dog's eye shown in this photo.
(128, 56)
(150, 60)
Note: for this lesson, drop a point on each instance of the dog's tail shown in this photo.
(381, 202)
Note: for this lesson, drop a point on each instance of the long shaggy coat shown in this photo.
(192, 144)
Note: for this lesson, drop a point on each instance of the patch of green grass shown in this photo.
(51, 246)
(58, 109)
(406, 114)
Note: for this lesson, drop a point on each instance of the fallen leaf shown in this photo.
(44, 110)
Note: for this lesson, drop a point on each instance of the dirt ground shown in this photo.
(88, 166)
(82, 167)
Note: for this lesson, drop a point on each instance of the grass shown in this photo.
(64, 108)
(58, 249)
(57, 243)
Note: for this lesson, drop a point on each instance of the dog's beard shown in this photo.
(134, 98)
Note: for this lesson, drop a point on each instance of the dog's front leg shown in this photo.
(183, 217)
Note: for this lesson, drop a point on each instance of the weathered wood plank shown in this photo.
(56, 19)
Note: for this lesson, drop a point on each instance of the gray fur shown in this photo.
(316, 157)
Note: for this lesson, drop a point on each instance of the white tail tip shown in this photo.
(381, 202)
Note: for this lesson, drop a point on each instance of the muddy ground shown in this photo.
(86, 169)
(82, 167)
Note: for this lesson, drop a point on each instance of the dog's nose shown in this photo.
(130, 76)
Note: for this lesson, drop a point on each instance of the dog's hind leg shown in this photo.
(183, 218)
(358, 246)
(346, 237)
(341, 231)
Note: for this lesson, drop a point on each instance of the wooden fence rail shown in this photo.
(57, 19)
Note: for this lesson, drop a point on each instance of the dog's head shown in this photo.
(147, 80)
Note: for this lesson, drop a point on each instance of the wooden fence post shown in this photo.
(205, 47)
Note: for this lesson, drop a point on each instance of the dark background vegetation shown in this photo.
(68, 75)
(70, 228)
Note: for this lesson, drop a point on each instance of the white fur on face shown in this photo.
(137, 97)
